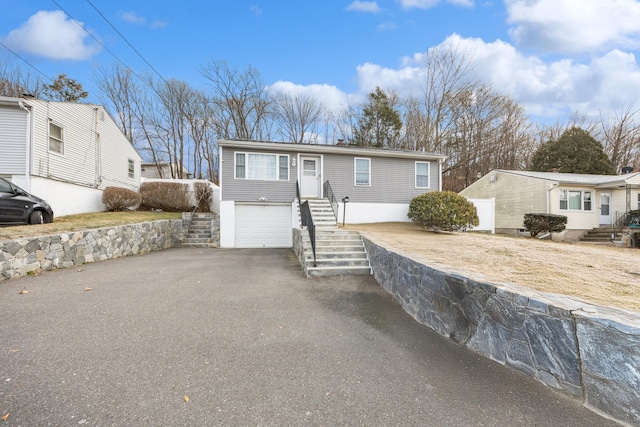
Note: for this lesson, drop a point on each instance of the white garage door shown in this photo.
(263, 226)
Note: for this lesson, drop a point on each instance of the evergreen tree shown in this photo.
(65, 89)
(574, 152)
(379, 124)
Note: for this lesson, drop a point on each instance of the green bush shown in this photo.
(166, 196)
(120, 199)
(536, 223)
(443, 210)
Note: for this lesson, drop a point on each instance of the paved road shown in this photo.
(250, 341)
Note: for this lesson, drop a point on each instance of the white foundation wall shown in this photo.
(67, 199)
(227, 224)
(362, 213)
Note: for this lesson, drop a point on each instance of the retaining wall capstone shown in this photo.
(31, 255)
(590, 352)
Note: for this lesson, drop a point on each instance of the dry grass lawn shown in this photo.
(602, 275)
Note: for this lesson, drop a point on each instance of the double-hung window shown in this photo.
(56, 141)
(362, 171)
(422, 174)
(574, 200)
(132, 169)
(261, 166)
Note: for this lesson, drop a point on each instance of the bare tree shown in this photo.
(119, 92)
(241, 104)
(17, 83)
(621, 137)
(298, 117)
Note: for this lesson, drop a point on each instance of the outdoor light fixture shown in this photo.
(345, 200)
(293, 162)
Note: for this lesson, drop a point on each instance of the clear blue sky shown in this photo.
(553, 56)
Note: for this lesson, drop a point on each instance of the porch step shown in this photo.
(338, 252)
(601, 235)
(198, 233)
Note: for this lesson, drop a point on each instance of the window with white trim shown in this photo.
(261, 166)
(362, 171)
(574, 200)
(56, 141)
(132, 169)
(422, 174)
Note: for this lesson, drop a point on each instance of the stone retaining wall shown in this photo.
(590, 352)
(34, 254)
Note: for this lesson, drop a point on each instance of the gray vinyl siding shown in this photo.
(13, 141)
(250, 190)
(392, 180)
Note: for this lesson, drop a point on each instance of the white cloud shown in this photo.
(569, 26)
(52, 35)
(544, 88)
(330, 96)
(255, 10)
(387, 26)
(364, 6)
(132, 18)
(428, 4)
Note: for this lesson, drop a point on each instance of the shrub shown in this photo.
(120, 199)
(443, 210)
(167, 196)
(536, 223)
(203, 194)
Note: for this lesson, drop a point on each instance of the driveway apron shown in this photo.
(240, 337)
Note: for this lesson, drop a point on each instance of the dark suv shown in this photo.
(19, 207)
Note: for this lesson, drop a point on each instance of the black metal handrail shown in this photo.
(307, 221)
(328, 193)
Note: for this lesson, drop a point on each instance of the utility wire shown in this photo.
(100, 43)
(25, 61)
(126, 41)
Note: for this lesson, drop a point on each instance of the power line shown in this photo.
(126, 41)
(26, 62)
(99, 42)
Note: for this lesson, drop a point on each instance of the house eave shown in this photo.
(328, 149)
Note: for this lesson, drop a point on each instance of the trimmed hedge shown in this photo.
(443, 210)
(120, 199)
(168, 196)
(536, 223)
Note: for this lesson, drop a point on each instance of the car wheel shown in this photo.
(36, 218)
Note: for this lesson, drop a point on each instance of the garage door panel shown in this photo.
(263, 226)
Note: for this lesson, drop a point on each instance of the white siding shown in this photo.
(577, 220)
(13, 140)
(95, 154)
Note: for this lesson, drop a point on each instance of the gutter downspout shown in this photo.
(554, 185)
(440, 162)
(28, 147)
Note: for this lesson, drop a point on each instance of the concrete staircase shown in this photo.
(199, 234)
(338, 252)
(602, 235)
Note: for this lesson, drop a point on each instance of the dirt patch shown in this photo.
(602, 275)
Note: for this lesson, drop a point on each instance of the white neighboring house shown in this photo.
(588, 201)
(65, 153)
(163, 170)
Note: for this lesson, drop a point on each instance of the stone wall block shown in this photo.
(611, 363)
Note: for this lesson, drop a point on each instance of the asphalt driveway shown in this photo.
(240, 337)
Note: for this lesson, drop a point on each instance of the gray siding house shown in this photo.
(65, 152)
(258, 180)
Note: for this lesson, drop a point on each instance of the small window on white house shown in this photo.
(362, 172)
(575, 200)
(132, 169)
(422, 174)
(56, 141)
(258, 166)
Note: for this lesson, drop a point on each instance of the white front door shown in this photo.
(310, 177)
(605, 208)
